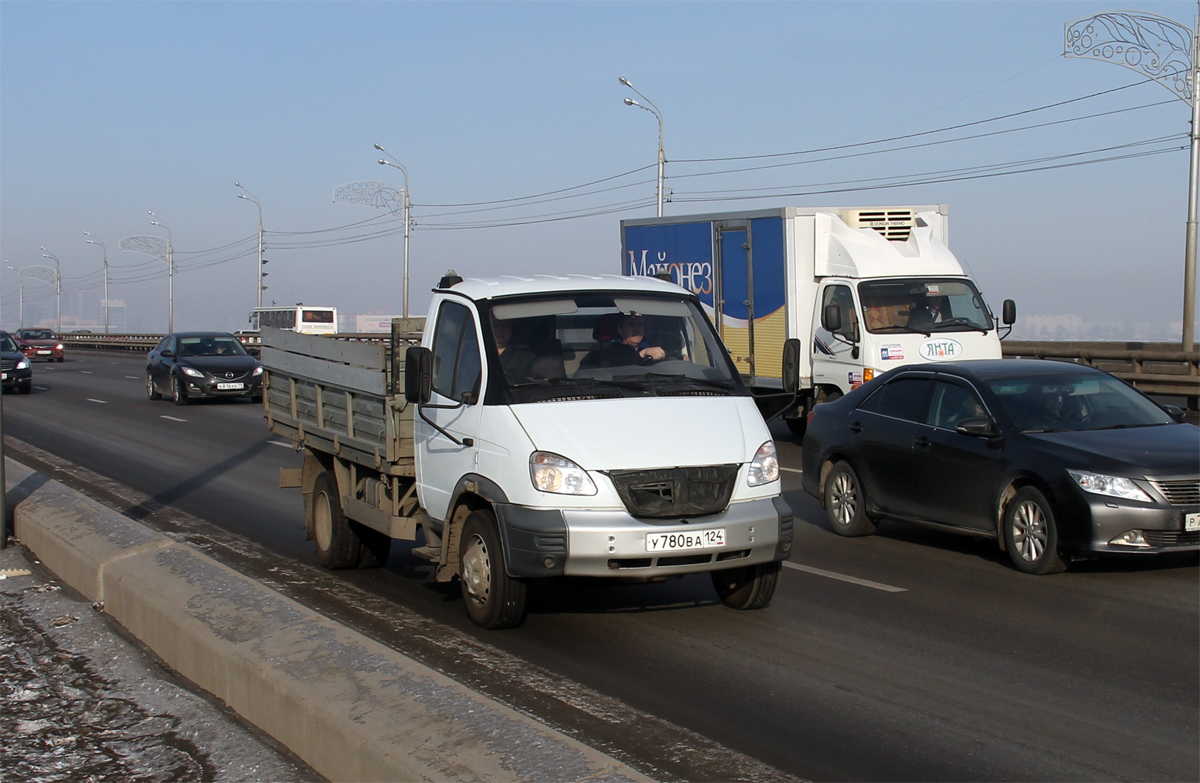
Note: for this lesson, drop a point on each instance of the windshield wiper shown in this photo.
(576, 382)
(897, 328)
(688, 379)
(960, 322)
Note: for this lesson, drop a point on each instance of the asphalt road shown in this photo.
(909, 655)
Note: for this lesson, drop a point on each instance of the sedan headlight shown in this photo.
(257, 371)
(764, 468)
(58, 347)
(552, 473)
(23, 364)
(191, 371)
(1112, 486)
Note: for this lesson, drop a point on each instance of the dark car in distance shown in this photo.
(186, 366)
(16, 369)
(1052, 460)
(40, 344)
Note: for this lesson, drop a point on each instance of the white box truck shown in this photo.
(523, 439)
(864, 289)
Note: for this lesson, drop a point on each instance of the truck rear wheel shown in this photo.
(337, 545)
(375, 546)
(494, 599)
(748, 587)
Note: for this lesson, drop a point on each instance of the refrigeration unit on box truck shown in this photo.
(864, 289)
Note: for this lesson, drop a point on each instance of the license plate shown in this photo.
(676, 542)
(229, 386)
(45, 352)
(1191, 521)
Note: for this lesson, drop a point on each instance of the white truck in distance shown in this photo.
(864, 289)
(527, 441)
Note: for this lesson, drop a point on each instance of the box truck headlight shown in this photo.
(552, 473)
(764, 468)
(1113, 486)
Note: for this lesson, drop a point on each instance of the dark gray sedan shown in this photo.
(194, 365)
(1051, 460)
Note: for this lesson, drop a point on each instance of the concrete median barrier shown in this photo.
(352, 708)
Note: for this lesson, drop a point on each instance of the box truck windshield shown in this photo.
(923, 305)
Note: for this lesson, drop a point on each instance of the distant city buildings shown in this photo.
(1073, 327)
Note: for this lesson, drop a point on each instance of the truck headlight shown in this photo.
(192, 372)
(1112, 486)
(764, 468)
(552, 473)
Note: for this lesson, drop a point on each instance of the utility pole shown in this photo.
(248, 196)
(93, 241)
(1169, 53)
(662, 157)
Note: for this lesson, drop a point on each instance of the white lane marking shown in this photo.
(172, 418)
(844, 578)
(288, 444)
(791, 470)
(102, 402)
(133, 377)
(42, 388)
(85, 372)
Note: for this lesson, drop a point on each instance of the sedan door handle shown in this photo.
(855, 427)
(922, 442)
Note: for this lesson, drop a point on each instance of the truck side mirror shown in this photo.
(791, 365)
(1009, 312)
(418, 374)
(831, 318)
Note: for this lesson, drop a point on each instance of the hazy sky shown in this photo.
(501, 111)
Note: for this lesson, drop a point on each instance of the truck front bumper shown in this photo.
(614, 543)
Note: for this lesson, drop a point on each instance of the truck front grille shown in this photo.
(675, 492)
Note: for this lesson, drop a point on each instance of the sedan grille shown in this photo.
(1185, 492)
(675, 492)
(7, 364)
(1171, 538)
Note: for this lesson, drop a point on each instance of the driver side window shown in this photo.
(841, 296)
(456, 361)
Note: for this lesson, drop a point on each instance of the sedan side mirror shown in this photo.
(167, 354)
(1175, 412)
(418, 375)
(978, 427)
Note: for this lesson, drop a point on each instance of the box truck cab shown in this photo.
(863, 289)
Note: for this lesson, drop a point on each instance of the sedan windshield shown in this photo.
(7, 344)
(210, 346)
(1074, 402)
(923, 305)
(592, 345)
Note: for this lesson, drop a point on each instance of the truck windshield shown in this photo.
(923, 305)
(593, 345)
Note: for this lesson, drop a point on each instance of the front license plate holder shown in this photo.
(1191, 522)
(230, 386)
(683, 541)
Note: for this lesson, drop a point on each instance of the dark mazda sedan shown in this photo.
(1052, 460)
(194, 365)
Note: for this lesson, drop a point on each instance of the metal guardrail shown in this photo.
(1154, 368)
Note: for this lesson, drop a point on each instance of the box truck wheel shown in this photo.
(493, 598)
(337, 545)
(748, 587)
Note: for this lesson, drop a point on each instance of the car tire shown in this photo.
(178, 396)
(337, 545)
(1031, 533)
(493, 599)
(152, 391)
(748, 587)
(797, 426)
(59, 359)
(26, 387)
(845, 502)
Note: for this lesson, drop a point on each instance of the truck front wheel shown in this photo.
(748, 587)
(337, 545)
(493, 598)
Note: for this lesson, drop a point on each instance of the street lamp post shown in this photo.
(93, 241)
(407, 206)
(21, 295)
(57, 285)
(1169, 53)
(248, 196)
(662, 158)
(170, 271)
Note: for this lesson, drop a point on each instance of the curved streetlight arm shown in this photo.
(662, 156)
